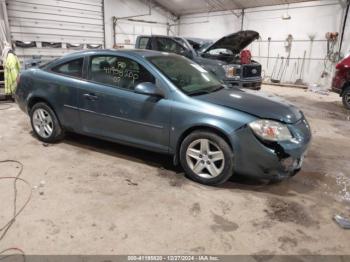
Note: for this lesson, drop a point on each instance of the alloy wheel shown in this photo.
(42, 123)
(205, 158)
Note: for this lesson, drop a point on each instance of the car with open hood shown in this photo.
(221, 57)
(169, 104)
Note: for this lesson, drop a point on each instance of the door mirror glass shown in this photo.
(148, 88)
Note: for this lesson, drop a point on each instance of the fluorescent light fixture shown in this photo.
(286, 16)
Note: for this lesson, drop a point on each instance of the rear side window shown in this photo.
(144, 43)
(71, 68)
(118, 71)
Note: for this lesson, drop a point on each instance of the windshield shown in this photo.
(204, 46)
(199, 45)
(186, 75)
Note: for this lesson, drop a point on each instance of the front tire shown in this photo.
(45, 124)
(206, 158)
(346, 98)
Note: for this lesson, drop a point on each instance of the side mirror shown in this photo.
(148, 88)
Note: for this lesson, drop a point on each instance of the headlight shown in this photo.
(271, 130)
(231, 71)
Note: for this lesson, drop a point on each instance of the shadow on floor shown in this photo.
(141, 156)
(121, 151)
(175, 173)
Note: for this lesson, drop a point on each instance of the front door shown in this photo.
(110, 108)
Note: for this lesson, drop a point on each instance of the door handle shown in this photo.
(91, 96)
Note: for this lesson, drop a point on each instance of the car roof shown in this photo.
(132, 52)
(167, 36)
(196, 39)
(136, 53)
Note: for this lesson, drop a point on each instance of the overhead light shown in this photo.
(286, 15)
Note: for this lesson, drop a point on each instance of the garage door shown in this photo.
(51, 28)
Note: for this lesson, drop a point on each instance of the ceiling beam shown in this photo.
(237, 4)
(224, 8)
(221, 5)
(161, 6)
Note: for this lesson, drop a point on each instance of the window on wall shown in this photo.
(169, 45)
(71, 68)
(119, 72)
(144, 43)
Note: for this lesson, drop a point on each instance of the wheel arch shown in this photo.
(346, 86)
(58, 130)
(38, 99)
(203, 127)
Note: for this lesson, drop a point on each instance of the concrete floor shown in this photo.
(103, 198)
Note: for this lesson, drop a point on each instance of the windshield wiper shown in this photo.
(206, 91)
(217, 88)
(198, 93)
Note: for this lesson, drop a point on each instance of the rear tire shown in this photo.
(45, 124)
(346, 98)
(206, 158)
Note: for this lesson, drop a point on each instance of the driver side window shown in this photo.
(118, 71)
(170, 46)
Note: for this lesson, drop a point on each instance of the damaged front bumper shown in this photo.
(271, 160)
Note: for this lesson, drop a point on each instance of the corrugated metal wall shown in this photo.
(59, 21)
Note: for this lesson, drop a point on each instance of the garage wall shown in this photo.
(4, 26)
(127, 31)
(66, 22)
(209, 25)
(346, 40)
(309, 18)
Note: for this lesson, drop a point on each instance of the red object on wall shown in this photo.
(246, 57)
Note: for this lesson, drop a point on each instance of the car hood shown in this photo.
(259, 105)
(235, 42)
